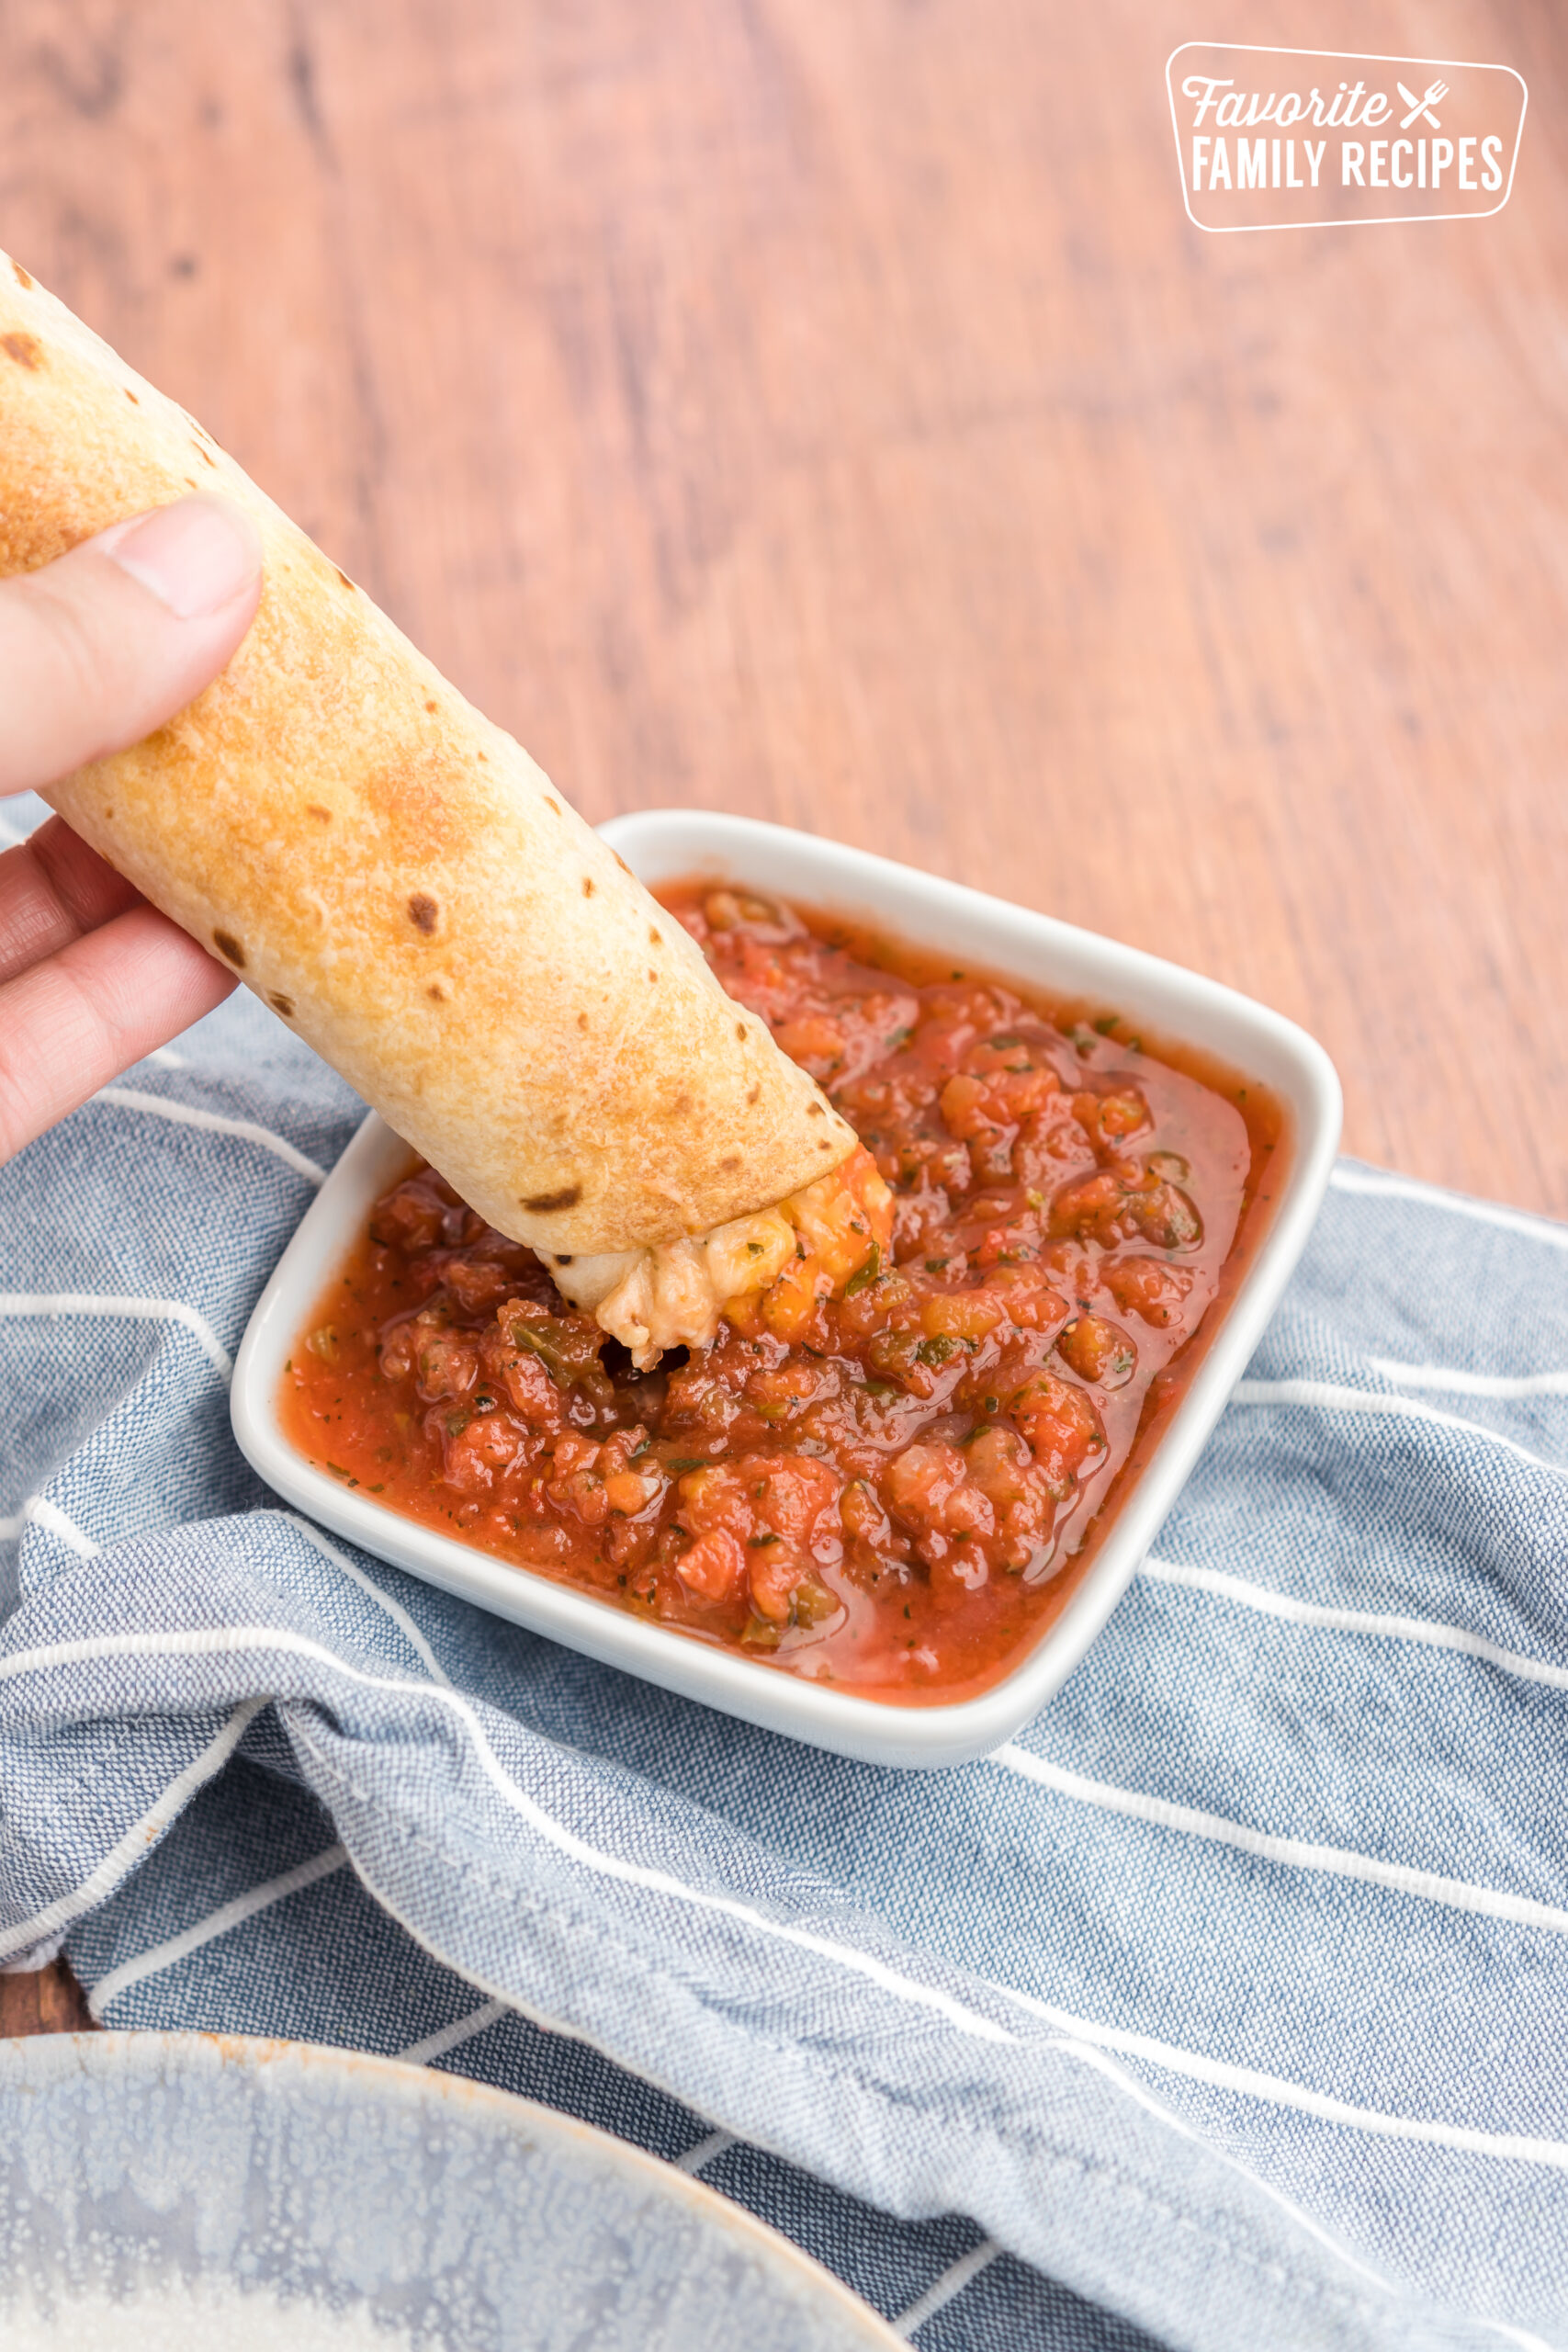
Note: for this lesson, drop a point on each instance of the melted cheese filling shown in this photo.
(672, 1296)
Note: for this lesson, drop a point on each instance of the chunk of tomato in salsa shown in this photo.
(878, 1471)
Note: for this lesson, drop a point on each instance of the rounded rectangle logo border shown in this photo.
(1347, 57)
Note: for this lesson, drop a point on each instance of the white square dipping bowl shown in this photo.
(1176, 1007)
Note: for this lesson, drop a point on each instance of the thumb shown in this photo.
(102, 647)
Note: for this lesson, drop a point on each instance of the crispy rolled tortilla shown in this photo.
(397, 879)
(779, 1262)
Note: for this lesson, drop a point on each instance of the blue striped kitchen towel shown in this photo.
(1227, 2007)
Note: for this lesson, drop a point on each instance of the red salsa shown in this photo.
(885, 1471)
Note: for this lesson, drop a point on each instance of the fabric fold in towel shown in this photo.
(1228, 2005)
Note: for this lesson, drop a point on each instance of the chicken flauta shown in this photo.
(769, 1271)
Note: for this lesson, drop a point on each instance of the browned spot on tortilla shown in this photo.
(680, 1106)
(582, 1021)
(423, 913)
(436, 995)
(109, 814)
(731, 1159)
(284, 1004)
(740, 1031)
(25, 349)
(588, 886)
(815, 1111)
(755, 1094)
(431, 705)
(621, 862)
(655, 938)
(189, 480)
(314, 808)
(483, 756)
(130, 396)
(227, 945)
(202, 453)
(19, 273)
(552, 804)
(824, 1144)
(543, 1203)
(651, 973)
(344, 577)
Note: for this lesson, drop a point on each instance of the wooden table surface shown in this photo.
(829, 412)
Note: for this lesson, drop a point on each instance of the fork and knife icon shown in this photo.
(1422, 105)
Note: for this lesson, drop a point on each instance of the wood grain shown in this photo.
(830, 414)
(47, 2001)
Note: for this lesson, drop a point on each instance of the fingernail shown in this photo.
(196, 557)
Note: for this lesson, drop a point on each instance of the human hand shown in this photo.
(96, 652)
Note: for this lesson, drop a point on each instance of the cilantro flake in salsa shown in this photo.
(883, 1472)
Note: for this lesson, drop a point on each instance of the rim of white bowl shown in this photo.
(1175, 1006)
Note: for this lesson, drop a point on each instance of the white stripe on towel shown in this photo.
(152, 1962)
(233, 1641)
(1078, 2034)
(704, 2152)
(1470, 1384)
(37, 1512)
(1333, 1398)
(1086, 2039)
(942, 2291)
(1298, 1853)
(185, 1114)
(137, 1838)
(453, 2036)
(395, 1611)
(1406, 1188)
(47, 1304)
(1354, 1621)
